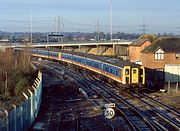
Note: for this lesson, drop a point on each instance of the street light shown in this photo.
(31, 26)
(110, 7)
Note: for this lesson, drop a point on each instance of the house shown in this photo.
(150, 37)
(135, 49)
(164, 56)
(138, 45)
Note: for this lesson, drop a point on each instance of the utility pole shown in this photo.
(47, 38)
(58, 24)
(62, 24)
(110, 6)
(54, 24)
(143, 27)
(98, 31)
(31, 26)
(58, 27)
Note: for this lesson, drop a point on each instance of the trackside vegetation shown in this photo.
(16, 75)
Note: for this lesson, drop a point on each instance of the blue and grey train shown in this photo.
(118, 70)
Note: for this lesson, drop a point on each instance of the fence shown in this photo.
(22, 116)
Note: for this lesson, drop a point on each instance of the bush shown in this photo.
(21, 85)
(16, 73)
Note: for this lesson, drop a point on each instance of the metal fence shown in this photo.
(22, 116)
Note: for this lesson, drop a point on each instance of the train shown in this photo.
(119, 70)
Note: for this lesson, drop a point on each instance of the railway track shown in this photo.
(53, 115)
(74, 75)
(170, 115)
(144, 114)
(133, 117)
(163, 116)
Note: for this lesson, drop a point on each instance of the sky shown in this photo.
(82, 15)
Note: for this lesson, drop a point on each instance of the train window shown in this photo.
(119, 73)
(107, 69)
(83, 61)
(141, 71)
(114, 70)
(134, 71)
(89, 62)
(111, 70)
(96, 64)
(127, 72)
(116, 73)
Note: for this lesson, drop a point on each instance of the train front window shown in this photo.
(134, 71)
(141, 71)
(127, 72)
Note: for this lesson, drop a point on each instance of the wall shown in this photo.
(172, 72)
(149, 61)
(135, 51)
(121, 50)
(22, 116)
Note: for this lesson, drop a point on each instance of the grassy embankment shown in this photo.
(16, 76)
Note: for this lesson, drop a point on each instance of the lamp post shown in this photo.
(110, 7)
(31, 27)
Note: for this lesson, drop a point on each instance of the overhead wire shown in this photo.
(69, 25)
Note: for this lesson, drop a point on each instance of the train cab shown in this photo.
(126, 75)
(134, 75)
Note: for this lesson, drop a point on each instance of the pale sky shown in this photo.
(82, 15)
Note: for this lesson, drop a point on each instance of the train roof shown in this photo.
(114, 61)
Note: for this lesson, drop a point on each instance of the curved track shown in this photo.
(139, 110)
(133, 117)
(161, 115)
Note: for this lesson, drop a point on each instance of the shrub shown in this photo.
(20, 86)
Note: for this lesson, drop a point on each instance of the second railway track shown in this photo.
(140, 114)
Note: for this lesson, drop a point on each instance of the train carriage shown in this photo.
(119, 70)
(45, 54)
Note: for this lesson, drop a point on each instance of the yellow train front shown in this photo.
(134, 76)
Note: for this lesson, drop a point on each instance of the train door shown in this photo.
(135, 76)
(142, 75)
(126, 75)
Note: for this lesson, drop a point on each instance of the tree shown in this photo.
(15, 72)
